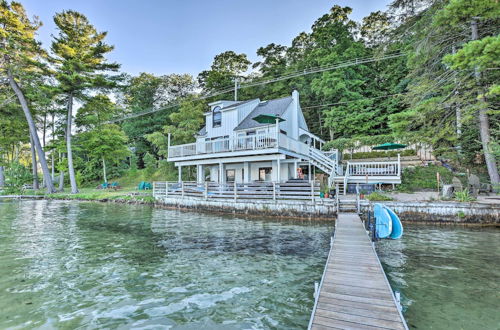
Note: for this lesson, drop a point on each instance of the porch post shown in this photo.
(199, 174)
(180, 173)
(295, 169)
(221, 173)
(309, 170)
(277, 133)
(399, 165)
(278, 170)
(246, 169)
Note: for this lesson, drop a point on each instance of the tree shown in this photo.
(481, 56)
(107, 143)
(20, 62)
(273, 59)
(149, 92)
(225, 68)
(95, 112)
(187, 121)
(443, 91)
(375, 28)
(185, 124)
(79, 57)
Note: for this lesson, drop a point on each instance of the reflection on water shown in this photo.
(68, 264)
(449, 277)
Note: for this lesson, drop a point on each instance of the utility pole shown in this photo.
(484, 125)
(236, 85)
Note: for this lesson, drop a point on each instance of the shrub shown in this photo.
(464, 196)
(423, 177)
(376, 197)
(16, 175)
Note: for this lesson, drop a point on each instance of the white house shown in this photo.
(254, 140)
(235, 147)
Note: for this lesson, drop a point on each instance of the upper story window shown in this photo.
(216, 117)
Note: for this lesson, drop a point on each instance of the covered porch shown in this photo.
(269, 168)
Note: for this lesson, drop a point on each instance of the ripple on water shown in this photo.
(70, 265)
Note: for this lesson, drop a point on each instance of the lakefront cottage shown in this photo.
(268, 141)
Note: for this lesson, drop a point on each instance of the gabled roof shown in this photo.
(272, 107)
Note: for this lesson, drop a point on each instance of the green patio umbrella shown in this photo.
(389, 146)
(267, 119)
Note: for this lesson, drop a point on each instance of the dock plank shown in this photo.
(354, 292)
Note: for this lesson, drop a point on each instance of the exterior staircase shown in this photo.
(327, 164)
(356, 172)
(348, 203)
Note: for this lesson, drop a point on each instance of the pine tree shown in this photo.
(78, 55)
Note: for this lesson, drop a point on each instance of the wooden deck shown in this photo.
(354, 292)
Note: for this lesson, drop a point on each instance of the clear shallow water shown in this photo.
(88, 265)
(449, 277)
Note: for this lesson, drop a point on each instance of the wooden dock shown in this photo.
(354, 292)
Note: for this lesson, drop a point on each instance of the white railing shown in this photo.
(373, 169)
(253, 142)
(293, 145)
(275, 191)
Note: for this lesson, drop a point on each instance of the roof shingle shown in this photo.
(272, 107)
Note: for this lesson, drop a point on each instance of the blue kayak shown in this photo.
(383, 223)
(397, 227)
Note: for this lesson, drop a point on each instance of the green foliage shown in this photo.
(456, 12)
(378, 197)
(95, 112)
(482, 55)
(150, 163)
(463, 196)
(79, 55)
(187, 121)
(342, 144)
(147, 92)
(107, 143)
(225, 68)
(423, 178)
(16, 175)
(380, 154)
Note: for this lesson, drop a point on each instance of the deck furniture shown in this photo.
(476, 187)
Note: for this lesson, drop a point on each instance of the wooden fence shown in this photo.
(298, 191)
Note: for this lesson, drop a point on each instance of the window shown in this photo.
(230, 175)
(265, 173)
(216, 117)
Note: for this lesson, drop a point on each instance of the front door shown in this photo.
(265, 173)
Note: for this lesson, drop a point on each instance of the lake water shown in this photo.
(449, 277)
(82, 264)
(89, 265)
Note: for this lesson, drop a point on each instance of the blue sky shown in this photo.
(183, 36)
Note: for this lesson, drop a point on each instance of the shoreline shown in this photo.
(425, 213)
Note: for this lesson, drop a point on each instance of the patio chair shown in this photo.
(102, 186)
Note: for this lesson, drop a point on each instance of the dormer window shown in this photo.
(216, 117)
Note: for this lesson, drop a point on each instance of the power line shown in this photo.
(352, 101)
(295, 74)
